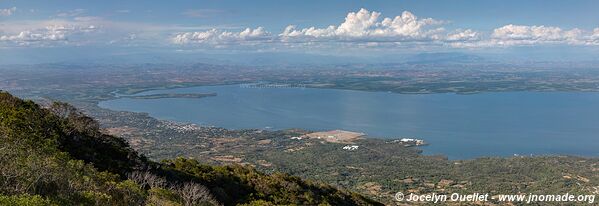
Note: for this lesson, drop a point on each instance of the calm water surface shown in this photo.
(459, 126)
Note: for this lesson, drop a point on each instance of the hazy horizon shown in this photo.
(317, 32)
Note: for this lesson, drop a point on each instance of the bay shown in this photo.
(458, 126)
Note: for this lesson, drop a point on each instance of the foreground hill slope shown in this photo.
(58, 156)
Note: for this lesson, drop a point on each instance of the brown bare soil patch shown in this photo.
(336, 136)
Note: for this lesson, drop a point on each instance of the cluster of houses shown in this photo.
(409, 141)
(181, 127)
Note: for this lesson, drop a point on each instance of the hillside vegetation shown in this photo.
(58, 156)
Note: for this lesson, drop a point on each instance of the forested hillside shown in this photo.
(58, 156)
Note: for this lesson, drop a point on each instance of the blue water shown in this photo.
(458, 126)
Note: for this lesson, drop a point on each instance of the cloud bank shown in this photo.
(52, 32)
(370, 28)
(359, 29)
(367, 26)
(215, 36)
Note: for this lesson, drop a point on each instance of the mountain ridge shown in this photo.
(58, 156)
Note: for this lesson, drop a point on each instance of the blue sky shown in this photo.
(362, 28)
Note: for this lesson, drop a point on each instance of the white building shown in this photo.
(413, 141)
(351, 147)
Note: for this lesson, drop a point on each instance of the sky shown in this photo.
(55, 30)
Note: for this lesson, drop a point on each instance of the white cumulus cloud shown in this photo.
(367, 26)
(523, 35)
(8, 12)
(594, 37)
(46, 34)
(215, 36)
(526, 35)
(464, 35)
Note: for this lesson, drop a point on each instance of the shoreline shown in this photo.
(117, 92)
